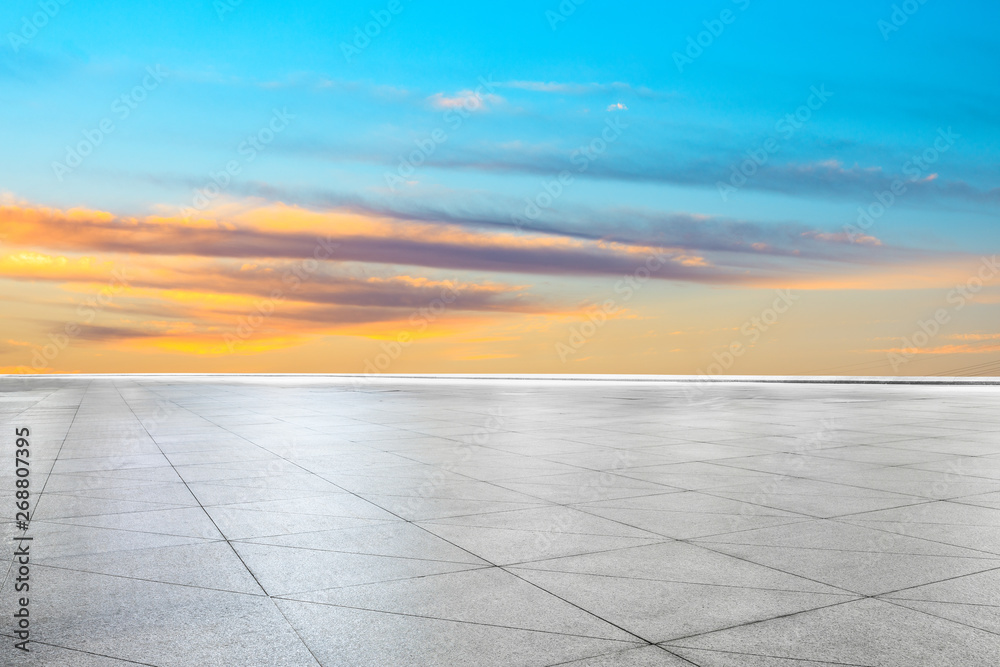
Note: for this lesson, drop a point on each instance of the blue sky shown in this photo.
(893, 78)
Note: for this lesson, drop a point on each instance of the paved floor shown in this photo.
(297, 521)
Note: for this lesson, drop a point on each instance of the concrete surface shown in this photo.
(452, 521)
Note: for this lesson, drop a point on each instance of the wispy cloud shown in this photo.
(469, 100)
(843, 237)
(824, 178)
(568, 88)
(643, 227)
(283, 232)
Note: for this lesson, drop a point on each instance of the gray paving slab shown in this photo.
(346, 636)
(860, 632)
(47, 655)
(680, 562)
(297, 520)
(490, 596)
(157, 623)
(283, 570)
(661, 610)
(865, 573)
(182, 564)
(398, 538)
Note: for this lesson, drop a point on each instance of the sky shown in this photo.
(724, 187)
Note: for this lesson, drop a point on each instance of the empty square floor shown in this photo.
(447, 521)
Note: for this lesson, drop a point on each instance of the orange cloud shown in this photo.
(945, 349)
(250, 279)
(285, 232)
(27, 264)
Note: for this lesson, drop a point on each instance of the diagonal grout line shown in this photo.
(573, 661)
(948, 603)
(619, 652)
(854, 595)
(249, 540)
(471, 568)
(852, 551)
(925, 502)
(573, 604)
(692, 583)
(990, 554)
(151, 581)
(779, 657)
(85, 652)
(705, 546)
(763, 620)
(932, 523)
(195, 541)
(676, 655)
(524, 563)
(839, 483)
(252, 541)
(443, 521)
(898, 603)
(771, 567)
(938, 581)
(166, 507)
(132, 530)
(707, 492)
(792, 520)
(285, 598)
(235, 552)
(838, 518)
(784, 514)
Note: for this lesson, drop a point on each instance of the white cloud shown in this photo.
(469, 100)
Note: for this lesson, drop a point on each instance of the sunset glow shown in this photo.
(525, 192)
